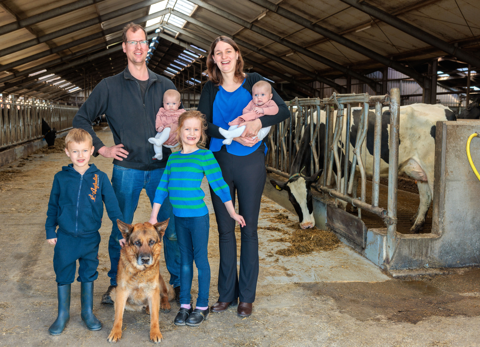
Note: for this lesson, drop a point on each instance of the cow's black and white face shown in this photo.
(299, 193)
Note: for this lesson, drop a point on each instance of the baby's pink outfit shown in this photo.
(168, 119)
(270, 108)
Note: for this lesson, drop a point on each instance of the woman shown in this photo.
(223, 98)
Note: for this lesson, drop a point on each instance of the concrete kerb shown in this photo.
(25, 149)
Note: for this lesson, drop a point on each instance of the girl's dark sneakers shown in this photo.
(197, 317)
(182, 316)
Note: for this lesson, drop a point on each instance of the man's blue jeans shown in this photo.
(193, 239)
(128, 184)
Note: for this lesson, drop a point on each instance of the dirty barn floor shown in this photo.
(328, 298)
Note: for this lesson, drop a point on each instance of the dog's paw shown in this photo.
(115, 335)
(165, 307)
(156, 336)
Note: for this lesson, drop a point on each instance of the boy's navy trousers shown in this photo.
(68, 250)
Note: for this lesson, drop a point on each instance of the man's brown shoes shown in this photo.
(222, 306)
(244, 309)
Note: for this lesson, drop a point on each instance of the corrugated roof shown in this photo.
(98, 57)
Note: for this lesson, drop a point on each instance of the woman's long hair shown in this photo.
(214, 73)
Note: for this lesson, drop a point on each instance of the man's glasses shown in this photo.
(134, 43)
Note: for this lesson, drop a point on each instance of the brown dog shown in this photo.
(139, 281)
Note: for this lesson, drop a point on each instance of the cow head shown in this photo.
(299, 192)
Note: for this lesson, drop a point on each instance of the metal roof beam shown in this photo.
(81, 41)
(263, 67)
(68, 58)
(251, 47)
(277, 39)
(340, 39)
(415, 32)
(46, 15)
(79, 26)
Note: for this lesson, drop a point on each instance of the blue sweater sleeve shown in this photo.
(52, 212)
(214, 176)
(111, 203)
(162, 189)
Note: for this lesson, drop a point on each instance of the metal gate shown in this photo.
(340, 165)
(22, 121)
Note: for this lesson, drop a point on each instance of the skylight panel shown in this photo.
(176, 21)
(176, 66)
(180, 62)
(200, 49)
(47, 76)
(37, 73)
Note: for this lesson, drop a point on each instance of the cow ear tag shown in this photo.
(278, 188)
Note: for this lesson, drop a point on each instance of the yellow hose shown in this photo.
(469, 155)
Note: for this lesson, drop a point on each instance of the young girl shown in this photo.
(181, 181)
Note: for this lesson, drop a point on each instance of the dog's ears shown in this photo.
(161, 227)
(125, 229)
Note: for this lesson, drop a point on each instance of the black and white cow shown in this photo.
(298, 185)
(416, 156)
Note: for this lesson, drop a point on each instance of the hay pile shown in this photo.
(303, 241)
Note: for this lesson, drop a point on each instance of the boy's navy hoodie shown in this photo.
(76, 202)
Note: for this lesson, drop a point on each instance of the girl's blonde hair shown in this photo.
(203, 126)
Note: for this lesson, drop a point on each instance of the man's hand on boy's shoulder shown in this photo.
(53, 242)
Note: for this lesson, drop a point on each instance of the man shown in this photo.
(130, 101)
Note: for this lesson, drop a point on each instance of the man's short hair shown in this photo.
(78, 135)
(134, 28)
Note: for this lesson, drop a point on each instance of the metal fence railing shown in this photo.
(22, 121)
(331, 145)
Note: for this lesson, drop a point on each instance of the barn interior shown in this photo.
(54, 53)
(57, 51)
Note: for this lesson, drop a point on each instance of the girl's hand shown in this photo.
(153, 221)
(252, 128)
(239, 219)
(122, 242)
(246, 141)
(53, 242)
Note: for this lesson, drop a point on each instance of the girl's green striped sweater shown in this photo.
(181, 182)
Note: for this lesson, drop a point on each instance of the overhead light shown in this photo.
(262, 15)
(364, 28)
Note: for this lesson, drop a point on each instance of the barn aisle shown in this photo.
(329, 297)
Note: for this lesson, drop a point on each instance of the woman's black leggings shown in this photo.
(246, 177)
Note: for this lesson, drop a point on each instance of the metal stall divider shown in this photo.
(21, 121)
(287, 137)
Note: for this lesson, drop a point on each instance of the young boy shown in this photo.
(76, 207)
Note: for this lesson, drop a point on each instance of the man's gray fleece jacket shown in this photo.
(131, 119)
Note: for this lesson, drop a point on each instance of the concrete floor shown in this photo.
(334, 298)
